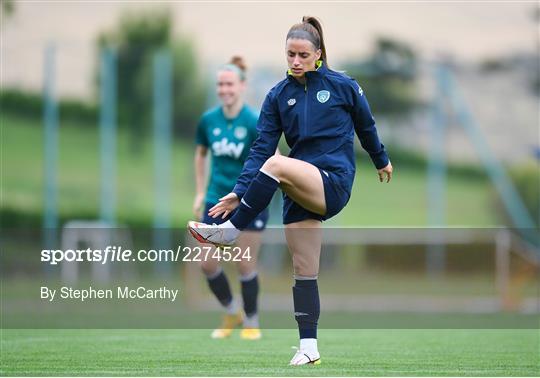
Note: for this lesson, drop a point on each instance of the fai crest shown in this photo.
(240, 132)
(323, 96)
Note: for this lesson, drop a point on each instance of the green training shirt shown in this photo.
(229, 141)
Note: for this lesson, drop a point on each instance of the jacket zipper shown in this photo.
(305, 107)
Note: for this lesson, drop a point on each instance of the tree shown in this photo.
(8, 8)
(388, 77)
(136, 40)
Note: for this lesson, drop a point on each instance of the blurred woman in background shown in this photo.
(227, 132)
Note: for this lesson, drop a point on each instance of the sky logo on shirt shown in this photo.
(226, 148)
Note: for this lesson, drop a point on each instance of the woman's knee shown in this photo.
(273, 165)
(209, 267)
(246, 267)
(305, 267)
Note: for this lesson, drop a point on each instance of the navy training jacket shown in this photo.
(319, 120)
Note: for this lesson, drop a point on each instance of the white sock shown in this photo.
(309, 345)
(230, 232)
(251, 321)
(232, 308)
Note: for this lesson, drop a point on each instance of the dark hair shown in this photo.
(310, 28)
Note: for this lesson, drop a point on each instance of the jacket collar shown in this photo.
(319, 72)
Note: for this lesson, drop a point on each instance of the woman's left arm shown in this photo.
(364, 126)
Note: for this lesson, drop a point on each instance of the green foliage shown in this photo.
(21, 103)
(189, 91)
(137, 39)
(414, 159)
(388, 77)
(74, 110)
(30, 105)
(8, 7)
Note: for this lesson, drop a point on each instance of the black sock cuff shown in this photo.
(249, 277)
(217, 277)
(308, 333)
(266, 179)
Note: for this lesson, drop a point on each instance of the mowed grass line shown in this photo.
(344, 353)
(401, 203)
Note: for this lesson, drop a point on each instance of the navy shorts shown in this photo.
(258, 224)
(335, 196)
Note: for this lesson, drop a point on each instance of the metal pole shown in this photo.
(108, 136)
(50, 118)
(436, 254)
(162, 150)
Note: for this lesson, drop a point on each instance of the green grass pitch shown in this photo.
(357, 352)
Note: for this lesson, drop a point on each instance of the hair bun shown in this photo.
(239, 62)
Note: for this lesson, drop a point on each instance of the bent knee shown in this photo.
(274, 165)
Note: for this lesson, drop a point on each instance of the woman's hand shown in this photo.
(225, 206)
(386, 171)
(198, 206)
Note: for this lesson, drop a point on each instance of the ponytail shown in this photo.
(313, 21)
